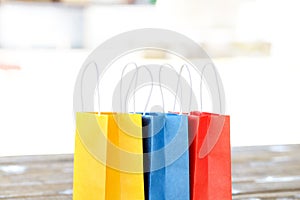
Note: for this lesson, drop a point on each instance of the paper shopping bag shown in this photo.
(103, 143)
(166, 157)
(210, 160)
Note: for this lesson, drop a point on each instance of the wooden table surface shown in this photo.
(266, 172)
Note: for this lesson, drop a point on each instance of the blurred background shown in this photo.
(253, 43)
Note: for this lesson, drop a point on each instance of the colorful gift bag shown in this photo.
(210, 160)
(102, 167)
(166, 157)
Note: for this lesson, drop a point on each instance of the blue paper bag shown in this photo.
(166, 156)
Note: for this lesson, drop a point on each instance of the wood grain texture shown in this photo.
(266, 172)
(36, 177)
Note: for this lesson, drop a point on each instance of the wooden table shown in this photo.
(267, 172)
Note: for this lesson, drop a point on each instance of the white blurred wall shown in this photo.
(40, 25)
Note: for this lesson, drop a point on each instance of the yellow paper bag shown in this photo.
(108, 159)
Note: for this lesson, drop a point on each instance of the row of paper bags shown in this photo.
(155, 156)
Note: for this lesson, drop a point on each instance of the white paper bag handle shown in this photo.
(121, 83)
(202, 73)
(160, 87)
(191, 86)
(135, 87)
(97, 86)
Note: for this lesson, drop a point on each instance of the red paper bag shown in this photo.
(210, 160)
